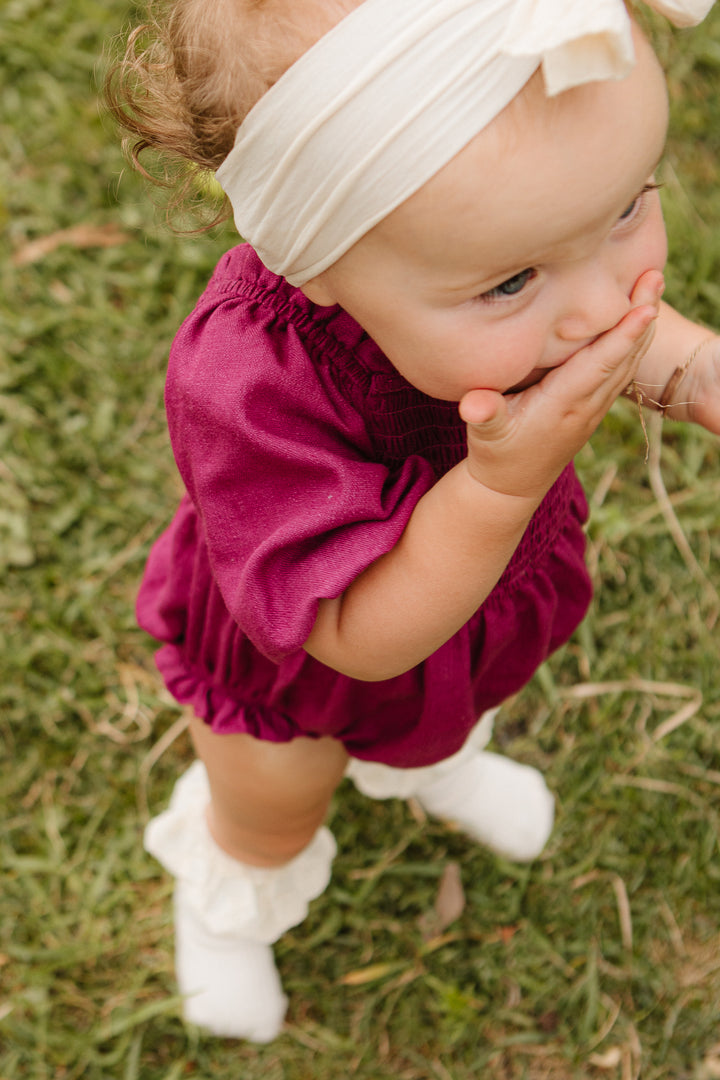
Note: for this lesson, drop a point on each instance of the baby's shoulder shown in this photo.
(249, 322)
(257, 354)
(255, 349)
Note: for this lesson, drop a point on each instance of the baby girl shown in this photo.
(454, 267)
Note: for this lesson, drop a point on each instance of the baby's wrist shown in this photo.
(514, 505)
(670, 396)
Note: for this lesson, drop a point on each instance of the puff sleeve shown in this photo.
(276, 456)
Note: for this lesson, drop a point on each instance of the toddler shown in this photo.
(453, 268)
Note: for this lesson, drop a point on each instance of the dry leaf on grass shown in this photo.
(449, 903)
(450, 899)
(371, 973)
(78, 236)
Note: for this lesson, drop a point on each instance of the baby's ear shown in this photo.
(318, 291)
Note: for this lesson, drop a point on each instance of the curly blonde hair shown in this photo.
(195, 68)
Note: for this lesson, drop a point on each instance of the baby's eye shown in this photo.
(631, 208)
(511, 287)
(638, 203)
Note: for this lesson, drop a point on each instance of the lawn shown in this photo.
(602, 959)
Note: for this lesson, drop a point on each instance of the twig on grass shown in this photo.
(164, 743)
(582, 691)
(671, 520)
(621, 899)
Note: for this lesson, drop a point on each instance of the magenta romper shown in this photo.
(304, 453)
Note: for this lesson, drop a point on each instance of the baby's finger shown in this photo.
(621, 348)
(484, 409)
(591, 379)
(648, 289)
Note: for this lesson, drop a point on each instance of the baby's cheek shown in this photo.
(657, 244)
(652, 255)
(521, 350)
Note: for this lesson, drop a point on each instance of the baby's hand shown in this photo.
(518, 444)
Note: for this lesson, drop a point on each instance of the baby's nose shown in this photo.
(596, 302)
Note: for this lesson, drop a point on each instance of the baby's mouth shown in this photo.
(538, 374)
(535, 376)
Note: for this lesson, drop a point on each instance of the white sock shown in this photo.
(232, 986)
(227, 915)
(503, 804)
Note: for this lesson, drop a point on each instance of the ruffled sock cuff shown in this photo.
(228, 897)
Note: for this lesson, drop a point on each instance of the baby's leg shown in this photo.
(268, 799)
(244, 838)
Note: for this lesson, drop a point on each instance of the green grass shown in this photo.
(601, 959)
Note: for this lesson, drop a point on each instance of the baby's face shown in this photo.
(524, 248)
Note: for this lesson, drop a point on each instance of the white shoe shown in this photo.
(499, 802)
(231, 986)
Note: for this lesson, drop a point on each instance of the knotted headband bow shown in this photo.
(380, 103)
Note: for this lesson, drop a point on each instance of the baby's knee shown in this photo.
(264, 846)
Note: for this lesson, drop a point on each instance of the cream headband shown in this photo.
(380, 103)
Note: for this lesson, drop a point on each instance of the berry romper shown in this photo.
(304, 453)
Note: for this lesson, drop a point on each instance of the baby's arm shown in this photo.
(455, 546)
(678, 342)
(464, 531)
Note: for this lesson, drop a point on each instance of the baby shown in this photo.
(454, 268)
